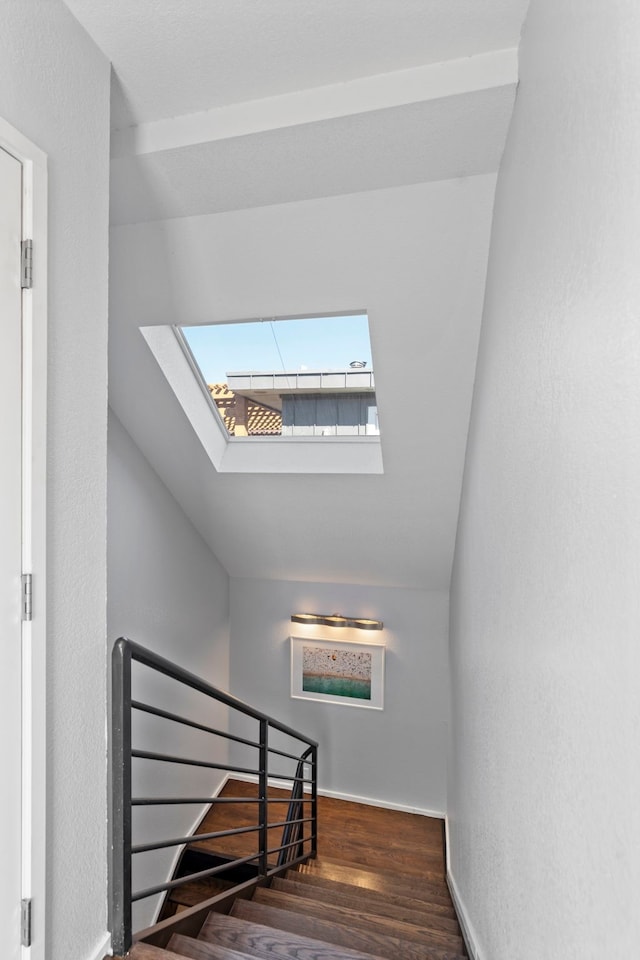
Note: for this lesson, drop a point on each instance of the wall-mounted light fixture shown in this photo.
(337, 620)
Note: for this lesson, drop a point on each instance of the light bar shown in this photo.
(337, 620)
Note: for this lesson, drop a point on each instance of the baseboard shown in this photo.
(350, 798)
(447, 845)
(386, 804)
(103, 949)
(466, 926)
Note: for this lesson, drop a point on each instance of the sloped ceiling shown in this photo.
(176, 57)
(284, 157)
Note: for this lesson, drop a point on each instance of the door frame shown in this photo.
(34, 488)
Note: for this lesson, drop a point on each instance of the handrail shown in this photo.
(292, 832)
(294, 837)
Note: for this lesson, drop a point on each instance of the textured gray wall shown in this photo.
(545, 616)
(394, 756)
(169, 593)
(54, 88)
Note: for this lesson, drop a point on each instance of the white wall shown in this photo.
(54, 88)
(393, 756)
(169, 593)
(545, 779)
(415, 259)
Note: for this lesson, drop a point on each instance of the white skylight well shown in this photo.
(277, 394)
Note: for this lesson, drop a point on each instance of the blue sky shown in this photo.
(323, 343)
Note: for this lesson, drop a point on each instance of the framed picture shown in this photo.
(337, 671)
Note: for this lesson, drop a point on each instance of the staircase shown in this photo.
(270, 874)
(328, 909)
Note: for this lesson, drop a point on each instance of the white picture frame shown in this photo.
(345, 672)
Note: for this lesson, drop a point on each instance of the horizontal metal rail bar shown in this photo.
(160, 801)
(290, 863)
(283, 776)
(196, 837)
(177, 841)
(291, 756)
(284, 823)
(286, 778)
(172, 884)
(299, 802)
(166, 715)
(152, 660)
(300, 840)
(169, 758)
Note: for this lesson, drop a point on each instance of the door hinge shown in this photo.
(25, 923)
(26, 264)
(27, 596)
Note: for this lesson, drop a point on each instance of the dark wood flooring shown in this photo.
(376, 891)
(351, 833)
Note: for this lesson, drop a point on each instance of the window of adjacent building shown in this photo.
(336, 415)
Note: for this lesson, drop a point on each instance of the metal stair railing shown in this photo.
(299, 838)
(293, 833)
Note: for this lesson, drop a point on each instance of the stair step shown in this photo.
(366, 904)
(388, 870)
(430, 877)
(416, 889)
(437, 903)
(146, 951)
(399, 857)
(258, 940)
(359, 919)
(196, 891)
(201, 950)
(371, 942)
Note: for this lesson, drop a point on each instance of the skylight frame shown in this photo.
(202, 383)
(253, 454)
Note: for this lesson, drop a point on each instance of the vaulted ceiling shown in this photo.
(279, 157)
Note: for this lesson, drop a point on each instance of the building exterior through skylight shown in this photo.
(303, 377)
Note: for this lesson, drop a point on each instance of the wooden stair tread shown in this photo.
(346, 916)
(263, 941)
(413, 842)
(201, 950)
(399, 859)
(432, 876)
(416, 889)
(433, 879)
(361, 901)
(147, 951)
(398, 856)
(364, 941)
(189, 894)
(440, 903)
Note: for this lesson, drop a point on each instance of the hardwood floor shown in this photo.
(412, 844)
(376, 890)
(383, 839)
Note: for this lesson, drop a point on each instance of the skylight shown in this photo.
(282, 395)
(301, 377)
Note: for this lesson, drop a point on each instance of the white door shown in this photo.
(10, 553)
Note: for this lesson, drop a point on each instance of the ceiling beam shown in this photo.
(435, 81)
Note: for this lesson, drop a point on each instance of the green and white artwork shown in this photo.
(343, 673)
(337, 671)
